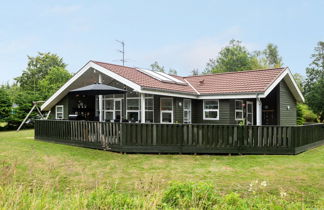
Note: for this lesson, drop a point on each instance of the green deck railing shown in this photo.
(182, 138)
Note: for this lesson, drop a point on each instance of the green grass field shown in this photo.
(41, 175)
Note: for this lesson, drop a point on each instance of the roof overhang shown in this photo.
(286, 75)
(60, 93)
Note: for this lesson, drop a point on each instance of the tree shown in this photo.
(156, 67)
(299, 80)
(195, 72)
(315, 70)
(314, 84)
(55, 78)
(173, 71)
(5, 105)
(271, 54)
(233, 57)
(37, 69)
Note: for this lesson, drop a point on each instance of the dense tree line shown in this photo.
(44, 75)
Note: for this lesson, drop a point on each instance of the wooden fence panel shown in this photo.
(194, 138)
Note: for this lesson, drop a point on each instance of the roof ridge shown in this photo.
(112, 64)
(235, 72)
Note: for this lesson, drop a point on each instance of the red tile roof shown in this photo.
(244, 82)
(252, 81)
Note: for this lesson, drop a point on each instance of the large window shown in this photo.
(211, 110)
(166, 107)
(238, 109)
(149, 109)
(133, 109)
(186, 111)
(59, 112)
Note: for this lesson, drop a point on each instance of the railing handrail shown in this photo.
(211, 124)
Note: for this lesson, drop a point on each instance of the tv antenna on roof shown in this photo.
(122, 51)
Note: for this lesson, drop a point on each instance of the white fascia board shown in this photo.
(86, 67)
(286, 74)
(117, 77)
(300, 95)
(238, 96)
(276, 82)
(66, 85)
(153, 92)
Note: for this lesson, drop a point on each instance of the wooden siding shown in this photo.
(286, 116)
(226, 112)
(66, 107)
(182, 138)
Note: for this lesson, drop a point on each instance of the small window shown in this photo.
(238, 109)
(166, 107)
(186, 111)
(133, 109)
(149, 109)
(59, 112)
(211, 110)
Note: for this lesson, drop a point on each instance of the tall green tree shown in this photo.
(55, 78)
(157, 67)
(37, 69)
(315, 70)
(173, 71)
(234, 57)
(300, 81)
(314, 83)
(272, 57)
(195, 72)
(5, 105)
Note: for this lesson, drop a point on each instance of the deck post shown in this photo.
(258, 111)
(142, 108)
(100, 101)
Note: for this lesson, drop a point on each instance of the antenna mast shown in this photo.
(122, 51)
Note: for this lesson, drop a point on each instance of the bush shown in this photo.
(110, 199)
(305, 114)
(189, 195)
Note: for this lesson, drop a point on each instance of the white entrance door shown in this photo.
(249, 113)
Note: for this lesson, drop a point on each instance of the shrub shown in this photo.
(102, 198)
(189, 195)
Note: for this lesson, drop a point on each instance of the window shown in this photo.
(149, 109)
(186, 111)
(238, 109)
(166, 107)
(108, 109)
(211, 110)
(133, 109)
(59, 112)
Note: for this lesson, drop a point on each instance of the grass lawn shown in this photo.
(38, 175)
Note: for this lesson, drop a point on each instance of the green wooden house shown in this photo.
(255, 97)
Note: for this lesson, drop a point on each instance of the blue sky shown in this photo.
(178, 34)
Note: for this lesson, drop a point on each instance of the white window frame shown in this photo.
(211, 110)
(188, 110)
(134, 110)
(166, 111)
(239, 110)
(147, 110)
(251, 113)
(56, 112)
